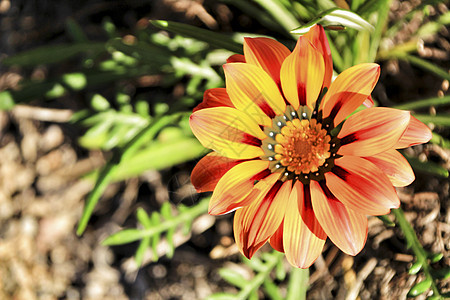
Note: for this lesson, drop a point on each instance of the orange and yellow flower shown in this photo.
(287, 158)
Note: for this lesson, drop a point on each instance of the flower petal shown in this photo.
(208, 171)
(236, 58)
(214, 98)
(276, 240)
(302, 74)
(267, 54)
(228, 131)
(233, 188)
(303, 237)
(372, 131)
(361, 186)
(416, 133)
(395, 166)
(252, 91)
(368, 102)
(316, 35)
(346, 228)
(256, 223)
(350, 89)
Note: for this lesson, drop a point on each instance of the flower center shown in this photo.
(299, 145)
(303, 146)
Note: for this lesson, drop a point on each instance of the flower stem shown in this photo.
(414, 243)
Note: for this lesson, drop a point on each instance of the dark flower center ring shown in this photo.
(300, 146)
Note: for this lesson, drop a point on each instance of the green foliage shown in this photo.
(423, 259)
(165, 221)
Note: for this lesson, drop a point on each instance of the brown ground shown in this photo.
(41, 195)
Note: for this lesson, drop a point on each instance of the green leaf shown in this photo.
(233, 277)
(52, 54)
(440, 120)
(387, 222)
(420, 288)
(272, 290)
(434, 258)
(427, 167)
(221, 296)
(123, 237)
(6, 100)
(214, 39)
(99, 103)
(442, 274)
(425, 103)
(415, 267)
(336, 18)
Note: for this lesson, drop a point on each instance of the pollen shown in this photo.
(302, 146)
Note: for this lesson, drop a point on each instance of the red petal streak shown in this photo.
(267, 54)
(252, 91)
(372, 131)
(395, 166)
(368, 102)
(350, 89)
(303, 237)
(256, 223)
(416, 133)
(233, 188)
(363, 187)
(209, 170)
(214, 98)
(236, 58)
(276, 240)
(228, 131)
(346, 228)
(302, 74)
(316, 35)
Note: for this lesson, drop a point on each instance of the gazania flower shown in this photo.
(287, 158)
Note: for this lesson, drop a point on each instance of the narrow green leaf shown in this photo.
(434, 258)
(436, 101)
(123, 237)
(272, 290)
(170, 243)
(99, 103)
(426, 65)
(415, 267)
(440, 120)
(233, 277)
(420, 288)
(6, 100)
(427, 167)
(140, 252)
(336, 18)
(51, 54)
(387, 222)
(439, 140)
(280, 13)
(214, 39)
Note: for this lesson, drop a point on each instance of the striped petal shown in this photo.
(303, 237)
(228, 131)
(208, 171)
(236, 58)
(395, 166)
(350, 89)
(256, 223)
(316, 35)
(214, 98)
(372, 131)
(302, 74)
(416, 133)
(346, 228)
(252, 91)
(233, 188)
(276, 240)
(267, 54)
(361, 186)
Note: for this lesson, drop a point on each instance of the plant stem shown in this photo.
(414, 243)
